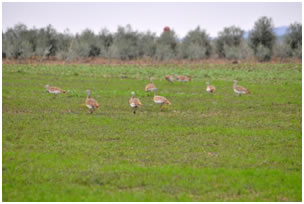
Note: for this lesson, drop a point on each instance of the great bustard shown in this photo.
(160, 100)
(169, 78)
(182, 78)
(91, 103)
(239, 89)
(209, 88)
(134, 102)
(150, 87)
(54, 90)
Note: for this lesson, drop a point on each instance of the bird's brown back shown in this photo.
(52, 88)
(136, 101)
(92, 102)
(150, 86)
(161, 99)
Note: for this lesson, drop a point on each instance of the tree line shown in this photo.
(20, 42)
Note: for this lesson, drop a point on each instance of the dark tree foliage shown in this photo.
(106, 38)
(231, 36)
(166, 45)
(94, 51)
(125, 44)
(16, 42)
(293, 40)
(196, 45)
(147, 44)
(19, 42)
(90, 38)
(262, 38)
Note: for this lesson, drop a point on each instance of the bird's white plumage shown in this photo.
(158, 101)
(239, 92)
(133, 105)
(54, 92)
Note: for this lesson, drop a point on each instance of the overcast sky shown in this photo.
(181, 17)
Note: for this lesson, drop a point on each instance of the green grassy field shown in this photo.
(203, 147)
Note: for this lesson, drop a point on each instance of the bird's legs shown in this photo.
(91, 110)
(161, 106)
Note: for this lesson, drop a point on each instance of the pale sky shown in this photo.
(181, 17)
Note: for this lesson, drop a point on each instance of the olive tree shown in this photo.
(86, 44)
(229, 39)
(196, 45)
(147, 44)
(281, 50)
(105, 40)
(262, 38)
(293, 40)
(64, 44)
(16, 42)
(46, 44)
(166, 45)
(125, 44)
(236, 52)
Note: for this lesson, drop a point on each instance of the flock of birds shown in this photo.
(135, 103)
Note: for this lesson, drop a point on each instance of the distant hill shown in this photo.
(279, 31)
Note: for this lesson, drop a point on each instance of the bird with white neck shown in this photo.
(134, 102)
(91, 103)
